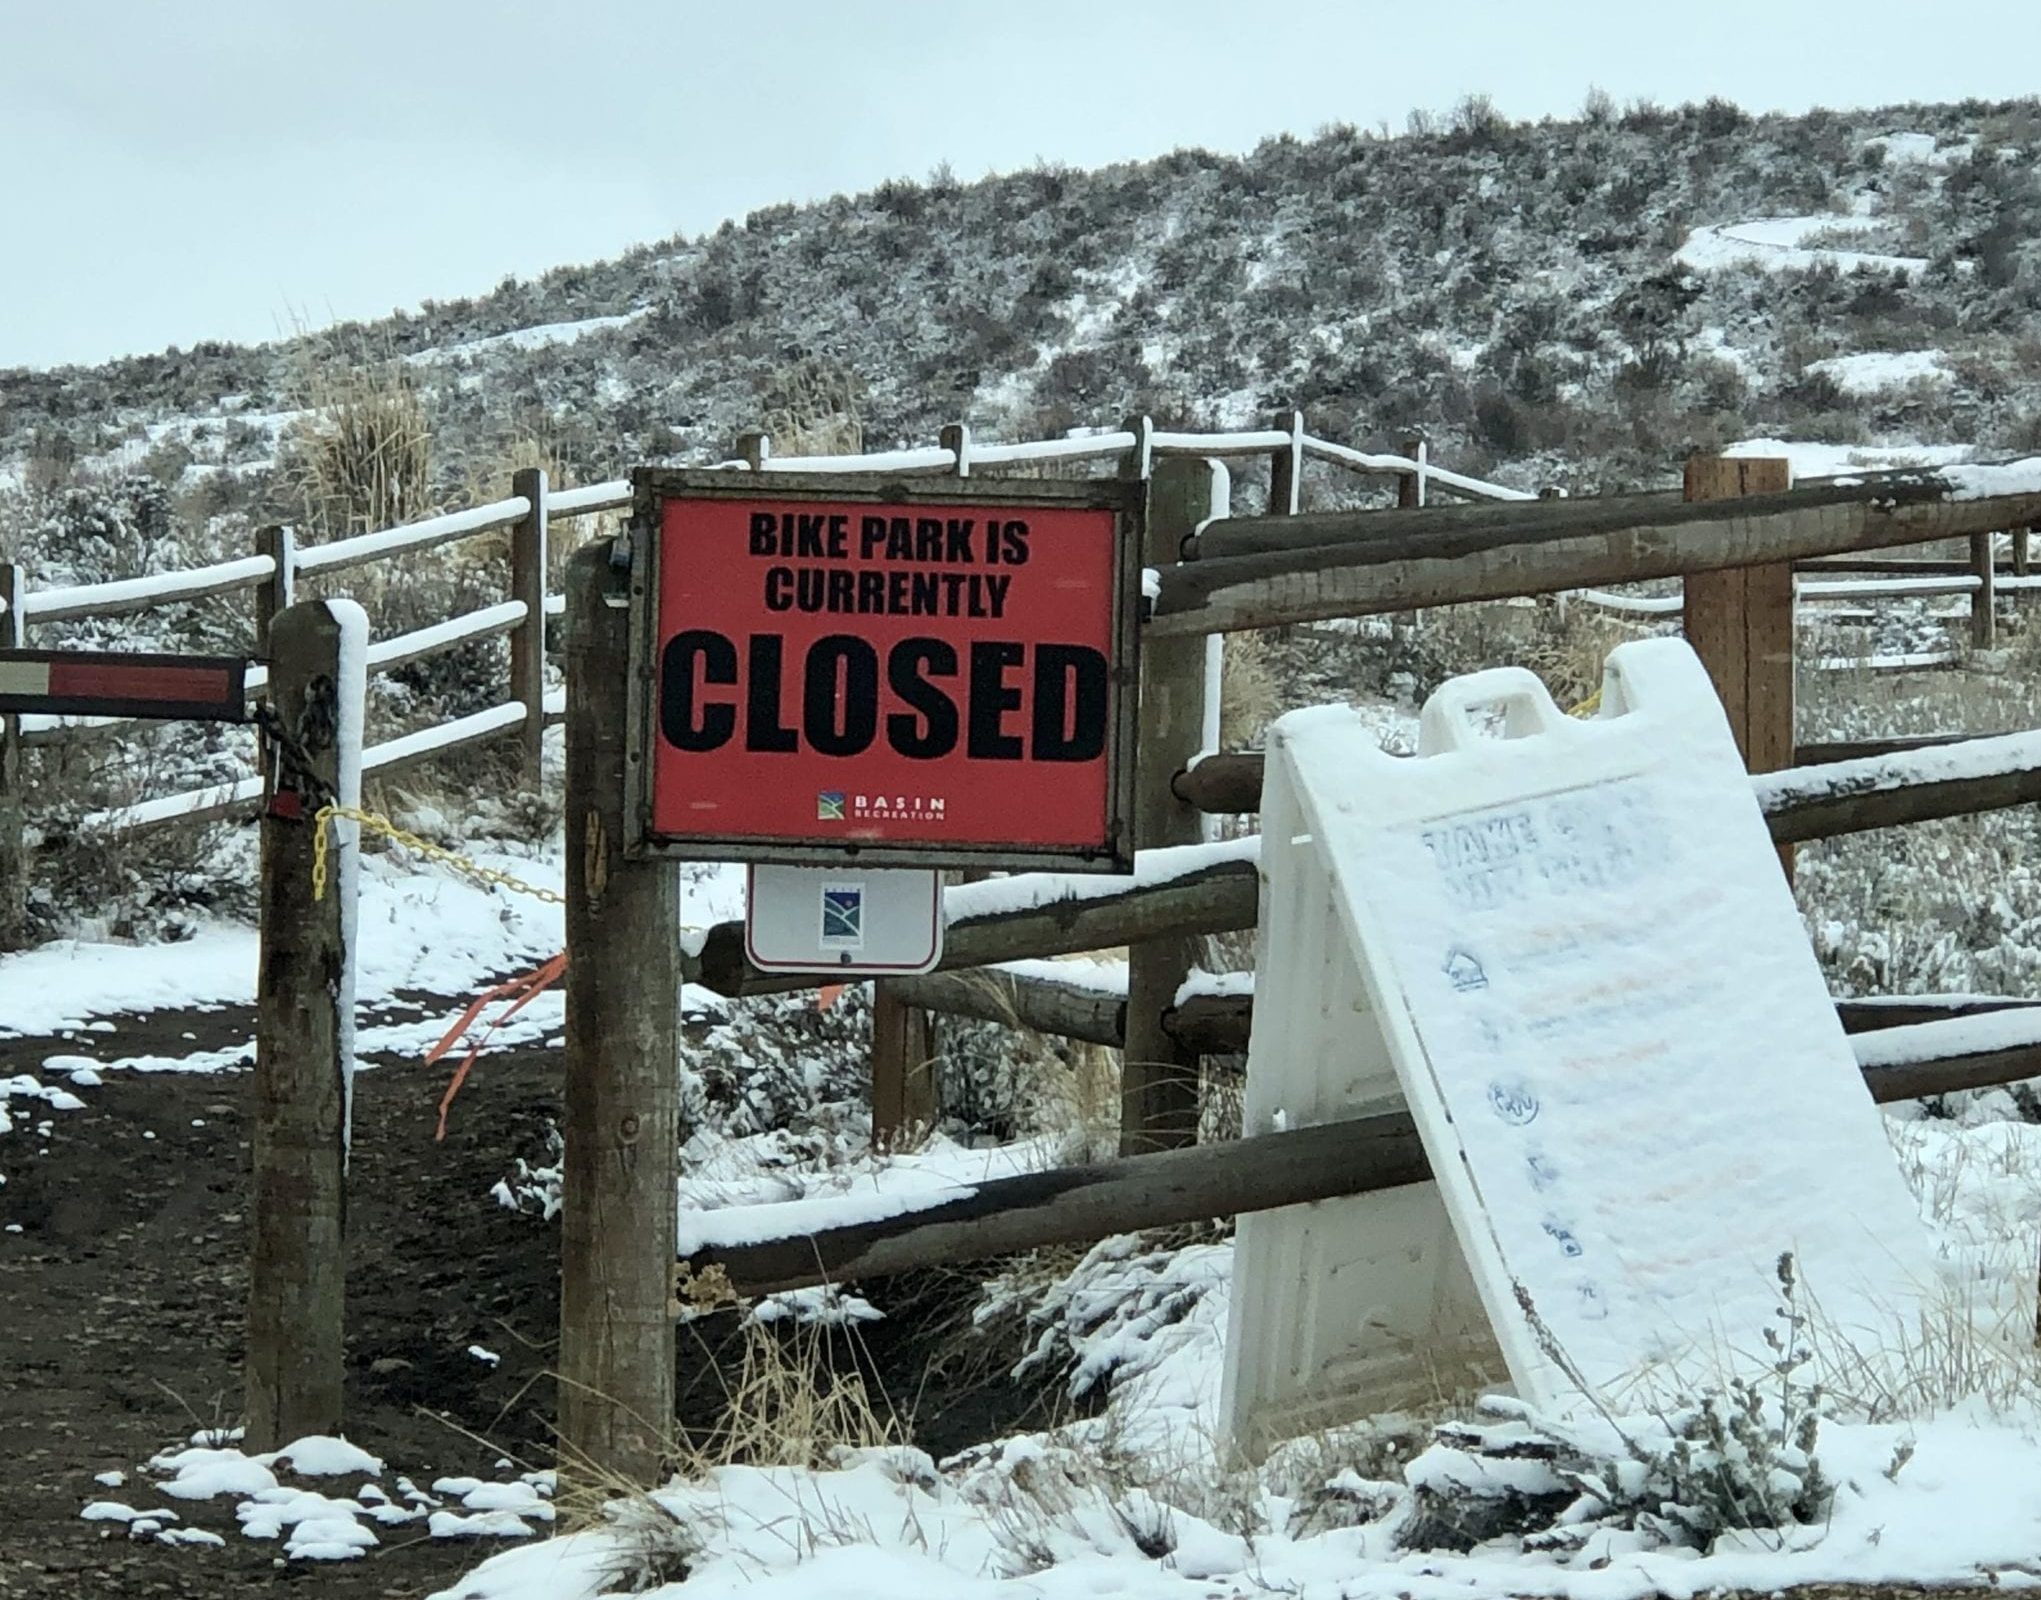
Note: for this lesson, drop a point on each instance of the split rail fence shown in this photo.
(270, 574)
(1737, 537)
(1739, 561)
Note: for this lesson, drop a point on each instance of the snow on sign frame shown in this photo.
(880, 672)
(1571, 952)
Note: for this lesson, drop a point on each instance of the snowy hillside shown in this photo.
(1580, 301)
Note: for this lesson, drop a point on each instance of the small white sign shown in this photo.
(828, 920)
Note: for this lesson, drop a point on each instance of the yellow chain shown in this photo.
(375, 823)
(1589, 706)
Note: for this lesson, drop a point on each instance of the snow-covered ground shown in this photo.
(1812, 460)
(1945, 1487)
(1781, 244)
(1871, 371)
(273, 1503)
(1942, 1486)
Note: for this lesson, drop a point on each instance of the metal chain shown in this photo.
(374, 822)
(316, 729)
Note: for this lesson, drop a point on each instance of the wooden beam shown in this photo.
(904, 1100)
(1086, 1203)
(1538, 547)
(1286, 474)
(1230, 785)
(13, 777)
(1210, 899)
(1079, 1205)
(528, 638)
(1213, 1024)
(1801, 805)
(279, 590)
(1740, 619)
(1223, 785)
(621, 1117)
(1065, 1010)
(1220, 1024)
(1158, 1077)
(1889, 566)
(1823, 752)
(1984, 598)
(304, 1020)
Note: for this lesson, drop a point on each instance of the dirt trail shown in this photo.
(121, 1302)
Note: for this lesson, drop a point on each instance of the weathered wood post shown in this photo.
(13, 805)
(1740, 622)
(1158, 1076)
(1286, 466)
(2023, 544)
(528, 638)
(279, 590)
(304, 1031)
(622, 1101)
(754, 449)
(1411, 488)
(1984, 598)
(903, 1067)
(904, 1036)
(955, 437)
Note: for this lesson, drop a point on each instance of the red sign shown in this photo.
(93, 683)
(928, 679)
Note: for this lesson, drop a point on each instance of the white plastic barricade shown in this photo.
(1568, 946)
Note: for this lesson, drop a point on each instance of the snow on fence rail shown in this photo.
(272, 572)
(1192, 890)
(527, 512)
(771, 1248)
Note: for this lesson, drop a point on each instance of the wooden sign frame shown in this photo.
(1108, 846)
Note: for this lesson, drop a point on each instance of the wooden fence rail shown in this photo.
(1205, 889)
(1079, 1205)
(271, 574)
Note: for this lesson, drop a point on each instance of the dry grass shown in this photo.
(786, 1406)
(361, 459)
(813, 408)
(1249, 694)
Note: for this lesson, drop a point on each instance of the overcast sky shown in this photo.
(233, 168)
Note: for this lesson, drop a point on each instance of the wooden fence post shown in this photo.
(1740, 622)
(904, 1036)
(1411, 488)
(754, 449)
(903, 1067)
(1984, 598)
(304, 1031)
(13, 807)
(528, 638)
(1286, 466)
(1158, 1077)
(2023, 539)
(278, 591)
(622, 1101)
(955, 437)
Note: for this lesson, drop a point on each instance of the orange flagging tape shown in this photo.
(526, 989)
(827, 995)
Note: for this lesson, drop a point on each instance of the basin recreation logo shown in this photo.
(838, 805)
(843, 916)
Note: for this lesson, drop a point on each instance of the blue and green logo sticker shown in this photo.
(843, 916)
